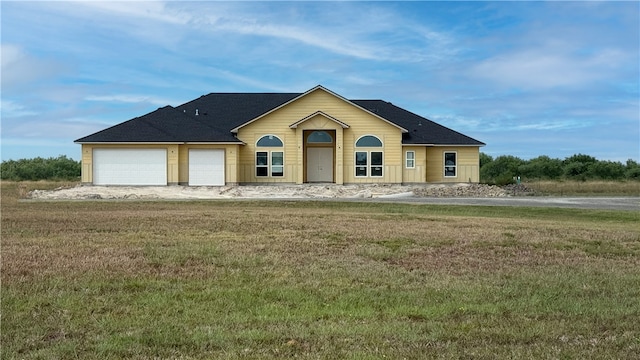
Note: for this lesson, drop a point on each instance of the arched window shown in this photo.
(369, 163)
(319, 137)
(368, 141)
(269, 141)
(269, 163)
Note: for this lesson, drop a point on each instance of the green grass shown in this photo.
(316, 280)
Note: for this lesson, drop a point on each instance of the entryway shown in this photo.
(319, 158)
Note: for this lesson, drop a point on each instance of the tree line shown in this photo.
(501, 171)
(505, 169)
(59, 168)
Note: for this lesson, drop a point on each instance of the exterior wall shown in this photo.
(468, 166)
(172, 158)
(231, 153)
(360, 123)
(419, 173)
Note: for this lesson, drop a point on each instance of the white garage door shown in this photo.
(206, 167)
(130, 166)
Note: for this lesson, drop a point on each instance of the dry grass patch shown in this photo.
(586, 188)
(316, 280)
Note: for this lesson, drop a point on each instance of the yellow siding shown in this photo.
(468, 164)
(87, 164)
(360, 123)
(419, 173)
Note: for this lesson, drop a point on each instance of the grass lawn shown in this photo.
(315, 280)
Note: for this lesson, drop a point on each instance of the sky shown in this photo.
(526, 78)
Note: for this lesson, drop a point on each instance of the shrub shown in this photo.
(60, 168)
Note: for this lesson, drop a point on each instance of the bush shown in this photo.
(580, 167)
(60, 168)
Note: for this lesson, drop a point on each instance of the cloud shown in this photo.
(128, 98)
(20, 69)
(544, 69)
(147, 10)
(10, 109)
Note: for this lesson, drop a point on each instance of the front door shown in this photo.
(319, 164)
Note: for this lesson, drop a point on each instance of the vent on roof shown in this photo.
(197, 112)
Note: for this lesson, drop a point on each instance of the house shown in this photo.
(266, 138)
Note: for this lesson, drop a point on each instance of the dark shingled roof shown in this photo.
(166, 124)
(422, 131)
(218, 113)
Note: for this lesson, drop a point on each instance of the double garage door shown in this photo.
(149, 167)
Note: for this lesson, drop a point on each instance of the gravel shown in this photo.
(84, 192)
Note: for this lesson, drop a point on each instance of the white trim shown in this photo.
(269, 166)
(368, 166)
(272, 135)
(319, 87)
(355, 143)
(406, 159)
(321, 113)
(444, 164)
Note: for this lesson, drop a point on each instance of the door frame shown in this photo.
(331, 145)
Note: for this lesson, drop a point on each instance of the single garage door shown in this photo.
(130, 166)
(206, 167)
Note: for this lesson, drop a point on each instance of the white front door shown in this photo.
(206, 167)
(319, 164)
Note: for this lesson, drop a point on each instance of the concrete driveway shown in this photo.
(603, 203)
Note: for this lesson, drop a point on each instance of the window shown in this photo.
(369, 163)
(361, 163)
(450, 164)
(269, 141)
(319, 137)
(368, 141)
(262, 163)
(269, 163)
(410, 159)
(277, 163)
(376, 163)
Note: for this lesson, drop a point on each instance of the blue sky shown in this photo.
(527, 78)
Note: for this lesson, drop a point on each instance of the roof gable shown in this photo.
(320, 113)
(317, 88)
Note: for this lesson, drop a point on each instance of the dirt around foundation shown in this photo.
(308, 191)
